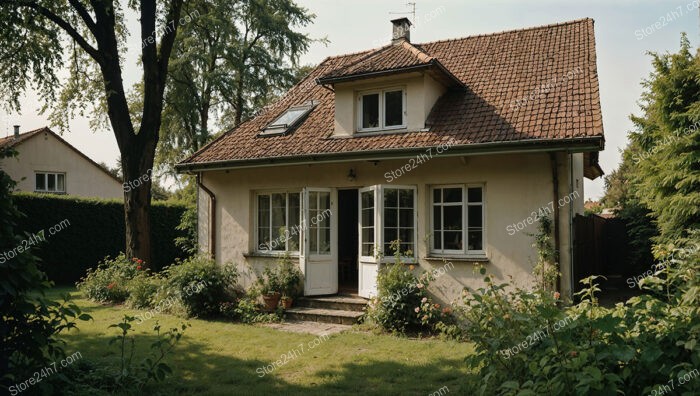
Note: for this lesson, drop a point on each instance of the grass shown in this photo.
(220, 358)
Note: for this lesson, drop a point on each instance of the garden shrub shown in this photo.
(402, 303)
(248, 310)
(142, 290)
(529, 342)
(200, 284)
(109, 282)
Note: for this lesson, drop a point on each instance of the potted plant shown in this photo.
(290, 278)
(269, 284)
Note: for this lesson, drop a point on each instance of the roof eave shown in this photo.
(382, 73)
(584, 144)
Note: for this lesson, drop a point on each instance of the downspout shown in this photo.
(571, 225)
(555, 203)
(212, 216)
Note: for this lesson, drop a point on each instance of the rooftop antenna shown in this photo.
(413, 12)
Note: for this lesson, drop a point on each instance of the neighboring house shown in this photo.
(454, 147)
(48, 164)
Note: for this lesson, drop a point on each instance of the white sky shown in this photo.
(361, 24)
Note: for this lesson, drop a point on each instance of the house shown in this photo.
(454, 147)
(48, 164)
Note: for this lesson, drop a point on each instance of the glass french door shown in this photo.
(387, 213)
(318, 255)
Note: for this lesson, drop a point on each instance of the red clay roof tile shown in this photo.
(530, 84)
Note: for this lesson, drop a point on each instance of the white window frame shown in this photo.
(315, 228)
(465, 252)
(46, 182)
(379, 255)
(389, 256)
(256, 225)
(382, 109)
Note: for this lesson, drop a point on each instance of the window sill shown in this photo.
(471, 259)
(270, 255)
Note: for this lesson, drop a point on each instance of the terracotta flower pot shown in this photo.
(287, 302)
(271, 301)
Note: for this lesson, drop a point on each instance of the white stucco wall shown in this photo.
(515, 186)
(45, 153)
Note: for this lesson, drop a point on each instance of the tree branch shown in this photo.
(168, 40)
(67, 27)
(85, 15)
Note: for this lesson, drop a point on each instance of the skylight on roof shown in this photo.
(286, 121)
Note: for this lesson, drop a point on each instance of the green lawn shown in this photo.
(219, 358)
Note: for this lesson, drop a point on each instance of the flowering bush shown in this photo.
(402, 303)
(109, 282)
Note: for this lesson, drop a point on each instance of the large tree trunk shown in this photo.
(137, 203)
(239, 98)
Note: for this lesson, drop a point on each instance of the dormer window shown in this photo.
(287, 121)
(382, 110)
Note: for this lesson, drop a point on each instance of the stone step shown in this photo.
(343, 303)
(336, 316)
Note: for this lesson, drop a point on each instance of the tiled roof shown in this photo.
(392, 57)
(11, 141)
(532, 85)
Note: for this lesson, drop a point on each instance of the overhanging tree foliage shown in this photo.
(657, 187)
(87, 40)
(233, 58)
(668, 171)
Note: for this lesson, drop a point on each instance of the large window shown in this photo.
(49, 182)
(458, 220)
(379, 110)
(278, 222)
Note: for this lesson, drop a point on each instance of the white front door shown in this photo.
(318, 253)
(368, 265)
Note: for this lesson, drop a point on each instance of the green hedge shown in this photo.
(96, 230)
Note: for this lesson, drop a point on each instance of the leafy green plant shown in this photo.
(31, 323)
(529, 342)
(269, 281)
(153, 366)
(546, 269)
(200, 284)
(108, 283)
(402, 303)
(188, 224)
(142, 290)
(290, 277)
(248, 310)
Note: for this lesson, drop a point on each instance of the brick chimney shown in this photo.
(401, 30)
(16, 131)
